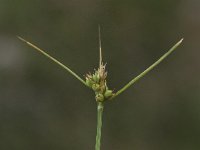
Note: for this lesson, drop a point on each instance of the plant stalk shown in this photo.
(100, 107)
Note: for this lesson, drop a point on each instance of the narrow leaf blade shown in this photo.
(148, 69)
(53, 59)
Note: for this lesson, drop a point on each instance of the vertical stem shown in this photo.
(100, 51)
(99, 125)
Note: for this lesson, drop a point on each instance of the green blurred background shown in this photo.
(42, 107)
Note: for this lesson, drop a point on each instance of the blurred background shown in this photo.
(43, 107)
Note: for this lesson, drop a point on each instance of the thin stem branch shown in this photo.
(53, 59)
(99, 125)
(147, 70)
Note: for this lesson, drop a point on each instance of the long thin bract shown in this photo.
(53, 59)
(148, 69)
(100, 50)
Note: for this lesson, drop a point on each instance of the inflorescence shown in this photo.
(97, 82)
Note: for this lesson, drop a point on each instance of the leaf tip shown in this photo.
(20, 38)
(181, 40)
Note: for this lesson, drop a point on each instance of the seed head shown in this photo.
(97, 82)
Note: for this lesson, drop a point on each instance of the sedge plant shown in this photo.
(97, 81)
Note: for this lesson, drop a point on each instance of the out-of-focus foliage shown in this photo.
(43, 107)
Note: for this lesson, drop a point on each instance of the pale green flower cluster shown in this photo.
(97, 82)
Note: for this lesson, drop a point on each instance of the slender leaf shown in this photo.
(53, 59)
(147, 70)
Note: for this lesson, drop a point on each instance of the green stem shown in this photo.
(148, 69)
(53, 59)
(99, 125)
